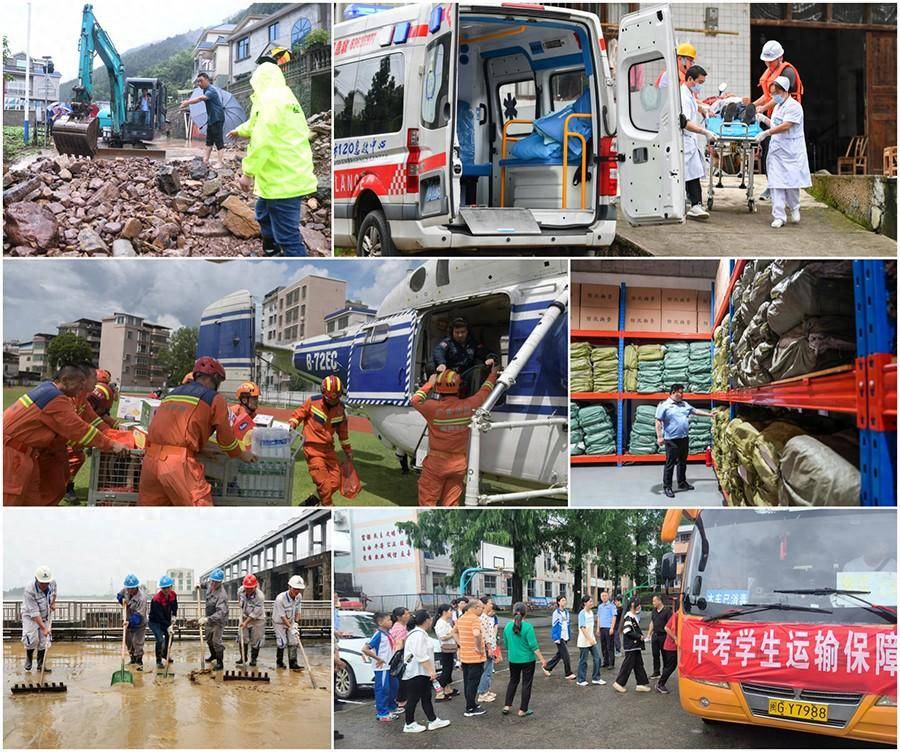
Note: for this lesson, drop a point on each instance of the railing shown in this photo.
(76, 619)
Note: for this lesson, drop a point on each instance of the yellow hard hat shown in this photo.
(686, 49)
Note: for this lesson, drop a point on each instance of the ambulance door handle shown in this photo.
(482, 114)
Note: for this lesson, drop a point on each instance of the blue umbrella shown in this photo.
(234, 113)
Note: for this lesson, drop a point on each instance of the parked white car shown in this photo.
(359, 673)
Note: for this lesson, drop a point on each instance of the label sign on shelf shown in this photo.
(828, 657)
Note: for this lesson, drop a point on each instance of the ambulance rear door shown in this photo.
(381, 357)
(440, 166)
(651, 154)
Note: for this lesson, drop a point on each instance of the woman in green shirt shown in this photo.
(522, 650)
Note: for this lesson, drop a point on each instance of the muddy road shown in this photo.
(159, 713)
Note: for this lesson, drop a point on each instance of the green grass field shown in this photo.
(384, 484)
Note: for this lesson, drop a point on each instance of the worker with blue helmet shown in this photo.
(163, 607)
(216, 614)
(135, 601)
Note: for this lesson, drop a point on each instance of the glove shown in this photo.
(134, 621)
(119, 597)
(202, 621)
(711, 137)
(761, 136)
(295, 630)
(293, 423)
(171, 630)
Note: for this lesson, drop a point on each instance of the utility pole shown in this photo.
(27, 70)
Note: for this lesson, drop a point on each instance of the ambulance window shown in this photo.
(376, 102)
(344, 80)
(517, 101)
(374, 349)
(644, 99)
(436, 83)
(565, 88)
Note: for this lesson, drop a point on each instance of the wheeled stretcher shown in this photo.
(734, 154)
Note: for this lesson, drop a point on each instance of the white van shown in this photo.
(435, 141)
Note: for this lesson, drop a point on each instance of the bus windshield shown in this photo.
(755, 553)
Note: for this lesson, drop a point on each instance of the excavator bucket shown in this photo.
(76, 137)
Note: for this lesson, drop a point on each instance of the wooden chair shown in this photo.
(855, 160)
(890, 162)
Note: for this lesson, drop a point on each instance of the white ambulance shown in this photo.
(500, 127)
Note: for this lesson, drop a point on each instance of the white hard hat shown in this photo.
(783, 82)
(297, 582)
(43, 574)
(772, 50)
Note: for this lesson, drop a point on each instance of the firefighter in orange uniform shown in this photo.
(321, 417)
(241, 415)
(181, 426)
(448, 417)
(35, 431)
(104, 397)
(75, 456)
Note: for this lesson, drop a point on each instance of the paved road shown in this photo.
(732, 231)
(567, 716)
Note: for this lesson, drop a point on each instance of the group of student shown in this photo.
(410, 664)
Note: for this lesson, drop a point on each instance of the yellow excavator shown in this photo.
(133, 123)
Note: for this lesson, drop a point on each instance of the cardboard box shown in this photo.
(643, 298)
(704, 321)
(599, 296)
(679, 300)
(575, 295)
(130, 408)
(679, 322)
(704, 301)
(605, 319)
(642, 320)
(140, 437)
(148, 410)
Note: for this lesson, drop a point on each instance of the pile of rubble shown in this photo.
(67, 206)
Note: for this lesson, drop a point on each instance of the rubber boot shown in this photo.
(404, 464)
(239, 661)
(139, 664)
(310, 501)
(212, 655)
(279, 658)
(220, 656)
(254, 654)
(29, 659)
(40, 662)
(270, 247)
(292, 660)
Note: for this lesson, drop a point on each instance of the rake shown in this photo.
(40, 686)
(243, 674)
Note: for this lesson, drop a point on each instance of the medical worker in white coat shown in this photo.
(694, 160)
(787, 166)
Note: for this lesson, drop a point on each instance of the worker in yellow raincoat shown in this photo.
(278, 165)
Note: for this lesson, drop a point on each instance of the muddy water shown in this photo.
(178, 712)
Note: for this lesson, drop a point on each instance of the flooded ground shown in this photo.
(157, 713)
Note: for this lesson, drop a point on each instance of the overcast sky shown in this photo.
(86, 548)
(56, 24)
(38, 296)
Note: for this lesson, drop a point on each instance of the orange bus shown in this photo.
(787, 618)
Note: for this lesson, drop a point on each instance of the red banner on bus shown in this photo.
(830, 657)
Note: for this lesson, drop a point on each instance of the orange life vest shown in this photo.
(768, 78)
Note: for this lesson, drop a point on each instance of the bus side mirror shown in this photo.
(668, 568)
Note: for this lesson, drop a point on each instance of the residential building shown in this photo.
(87, 329)
(287, 27)
(33, 356)
(680, 547)
(299, 309)
(351, 315)
(212, 53)
(44, 87)
(129, 350)
(184, 580)
(10, 363)
(26, 361)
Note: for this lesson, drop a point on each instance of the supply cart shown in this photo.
(115, 479)
(733, 155)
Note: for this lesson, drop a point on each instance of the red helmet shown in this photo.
(250, 582)
(103, 376)
(247, 389)
(209, 367)
(447, 382)
(332, 387)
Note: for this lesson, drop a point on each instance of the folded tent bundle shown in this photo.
(643, 431)
(813, 474)
(605, 365)
(699, 434)
(629, 369)
(599, 433)
(581, 373)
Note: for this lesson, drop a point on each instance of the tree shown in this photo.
(68, 348)
(177, 358)
(461, 533)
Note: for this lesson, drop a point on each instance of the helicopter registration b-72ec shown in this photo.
(517, 309)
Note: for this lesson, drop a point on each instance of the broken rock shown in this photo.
(239, 218)
(211, 186)
(122, 248)
(211, 228)
(90, 242)
(31, 225)
(107, 193)
(132, 228)
(20, 190)
(167, 180)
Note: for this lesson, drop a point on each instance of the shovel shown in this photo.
(309, 672)
(244, 674)
(203, 669)
(122, 676)
(41, 686)
(165, 672)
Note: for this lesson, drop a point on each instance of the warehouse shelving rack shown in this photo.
(621, 337)
(866, 388)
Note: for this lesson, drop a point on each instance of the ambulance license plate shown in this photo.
(802, 711)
